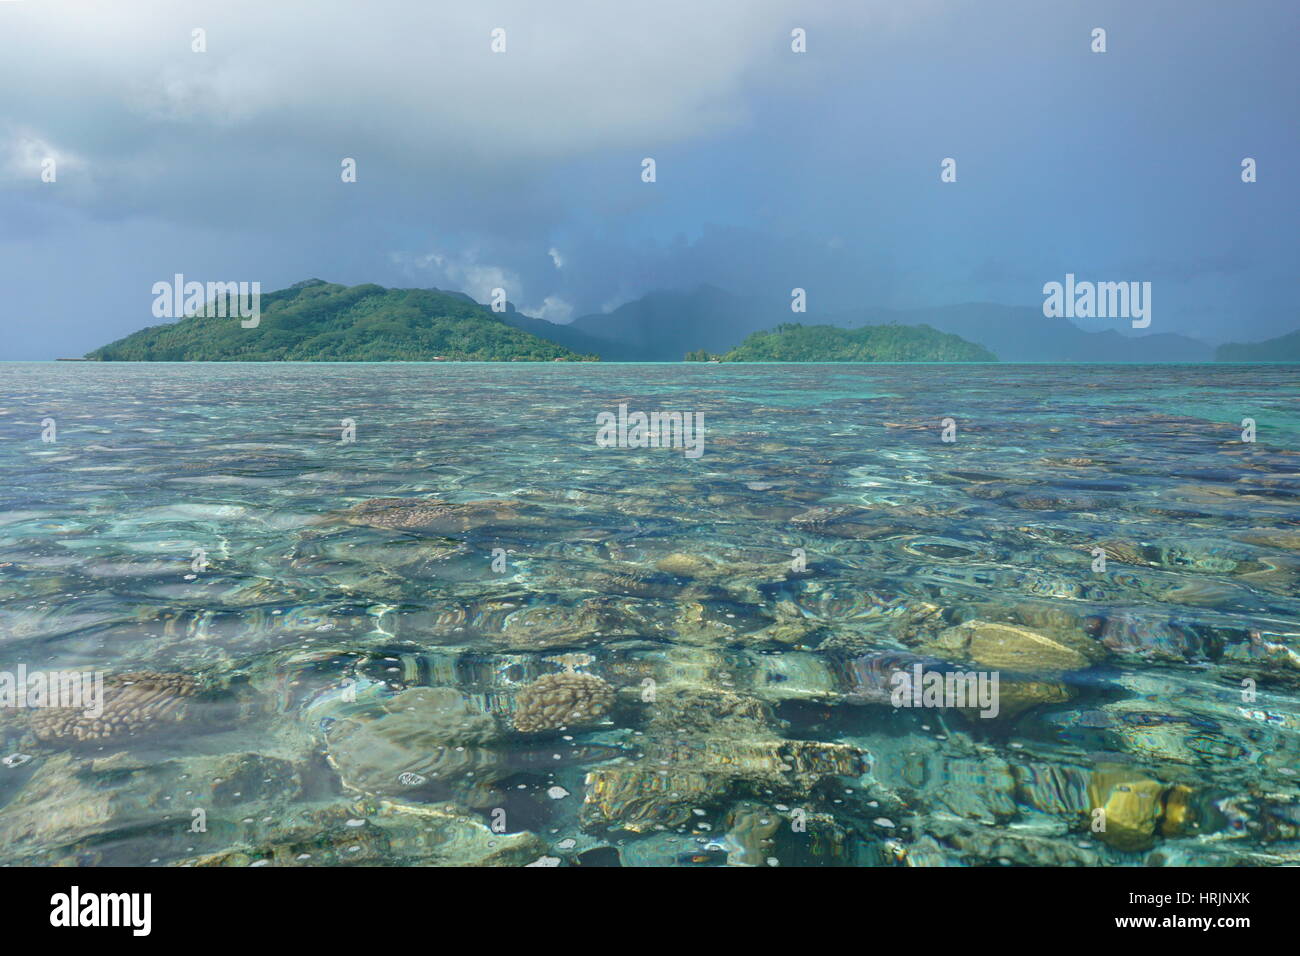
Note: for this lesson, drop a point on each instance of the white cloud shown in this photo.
(461, 273)
(24, 152)
(464, 273)
(553, 309)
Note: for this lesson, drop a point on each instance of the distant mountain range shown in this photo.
(1284, 348)
(664, 326)
(1024, 334)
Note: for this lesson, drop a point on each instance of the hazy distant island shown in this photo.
(316, 321)
(794, 342)
(1284, 348)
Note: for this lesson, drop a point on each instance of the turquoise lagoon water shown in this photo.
(325, 652)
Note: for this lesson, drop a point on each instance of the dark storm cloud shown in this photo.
(522, 169)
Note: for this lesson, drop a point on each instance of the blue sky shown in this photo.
(774, 169)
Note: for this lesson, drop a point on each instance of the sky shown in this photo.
(774, 169)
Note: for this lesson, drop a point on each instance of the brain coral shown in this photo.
(133, 702)
(561, 700)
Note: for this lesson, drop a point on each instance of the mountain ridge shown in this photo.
(317, 321)
(1282, 348)
(667, 324)
(314, 320)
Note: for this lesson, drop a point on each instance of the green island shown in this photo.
(793, 342)
(316, 321)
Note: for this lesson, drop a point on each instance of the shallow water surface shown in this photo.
(472, 635)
